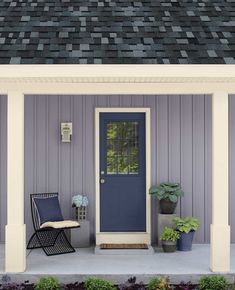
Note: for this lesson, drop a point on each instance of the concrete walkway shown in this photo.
(118, 268)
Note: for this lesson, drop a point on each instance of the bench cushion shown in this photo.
(60, 225)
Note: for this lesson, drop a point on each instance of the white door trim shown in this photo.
(133, 237)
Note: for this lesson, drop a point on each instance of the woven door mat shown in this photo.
(123, 246)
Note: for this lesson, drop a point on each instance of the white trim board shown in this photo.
(86, 72)
(122, 237)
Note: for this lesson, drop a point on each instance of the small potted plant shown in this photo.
(168, 195)
(169, 238)
(80, 202)
(186, 228)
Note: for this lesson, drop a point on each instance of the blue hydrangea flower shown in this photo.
(85, 201)
(80, 200)
(77, 200)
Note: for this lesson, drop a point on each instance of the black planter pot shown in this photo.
(168, 246)
(184, 243)
(167, 206)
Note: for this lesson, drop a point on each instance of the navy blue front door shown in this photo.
(122, 172)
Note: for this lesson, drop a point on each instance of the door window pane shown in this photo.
(122, 148)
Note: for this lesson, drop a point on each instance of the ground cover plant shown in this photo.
(158, 284)
(213, 282)
(96, 283)
(47, 283)
(185, 286)
(131, 284)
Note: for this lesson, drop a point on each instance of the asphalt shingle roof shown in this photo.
(117, 31)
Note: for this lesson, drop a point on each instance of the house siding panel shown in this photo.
(180, 142)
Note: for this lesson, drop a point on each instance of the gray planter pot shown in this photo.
(168, 246)
(167, 206)
(185, 241)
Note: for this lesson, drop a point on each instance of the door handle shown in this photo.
(102, 180)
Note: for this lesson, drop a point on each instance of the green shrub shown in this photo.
(167, 190)
(185, 225)
(213, 283)
(158, 284)
(96, 283)
(169, 234)
(47, 283)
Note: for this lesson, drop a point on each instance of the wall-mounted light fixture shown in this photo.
(66, 131)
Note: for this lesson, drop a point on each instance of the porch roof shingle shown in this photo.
(117, 32)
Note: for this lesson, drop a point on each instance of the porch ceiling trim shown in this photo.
(118, 73)
(118, 79)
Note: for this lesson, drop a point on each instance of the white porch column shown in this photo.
(15, 258)
(220, 230)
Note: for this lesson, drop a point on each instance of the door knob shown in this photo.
(102, 180)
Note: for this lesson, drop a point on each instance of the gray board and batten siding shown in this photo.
(180, 151)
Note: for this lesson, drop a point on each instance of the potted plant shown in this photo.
(169, 238)
(80, 202)
(168, 195)
(186, 228)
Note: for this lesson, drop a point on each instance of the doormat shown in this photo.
(123, 246)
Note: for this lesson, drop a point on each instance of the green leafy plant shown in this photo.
(213, 283)
(166, 190)
(47, 283)
(158, 284)
(185, 225)
(96, 283)
(169, 234)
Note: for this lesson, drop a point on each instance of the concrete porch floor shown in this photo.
(179, 266)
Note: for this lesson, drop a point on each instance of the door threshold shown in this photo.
(99, 251)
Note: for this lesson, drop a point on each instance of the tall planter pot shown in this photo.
(167, 206)
(184, 243)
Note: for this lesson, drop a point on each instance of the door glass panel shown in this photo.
(122, 148)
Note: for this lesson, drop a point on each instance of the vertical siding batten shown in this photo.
(174, 141)
(53, 143)
(162, 139)
(186, 154)
(30, 164)
(150, 101)
(198, 163)
(65, 160)
(41, 144)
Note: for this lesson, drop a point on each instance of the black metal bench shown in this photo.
(53, 241)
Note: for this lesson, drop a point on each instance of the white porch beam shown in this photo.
(220, 230)
(15, 259)
(201, 71)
